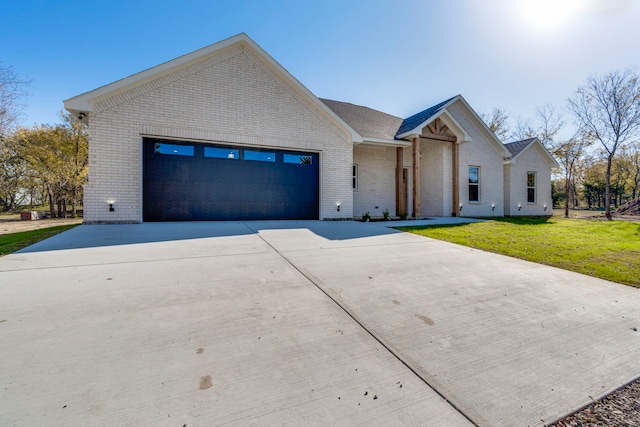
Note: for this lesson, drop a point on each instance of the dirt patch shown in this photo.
(205, 382)
(597, 215)
(12, 223)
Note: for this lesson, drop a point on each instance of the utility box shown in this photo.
(29, 216)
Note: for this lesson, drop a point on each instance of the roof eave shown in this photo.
(418, 129)
(494, 139)
(385, 142)
(449, 120)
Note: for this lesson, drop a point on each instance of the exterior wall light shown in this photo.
(519, 206)
(460, 207)
(110, 203)
(545, 207)
(338, 206)
(493, 206)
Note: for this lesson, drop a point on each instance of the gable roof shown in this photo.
(423, 116)
(369, 123)
(516, 148)
(85, 102)
(415, 123)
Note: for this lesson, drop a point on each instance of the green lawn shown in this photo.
(606, 249)
(15, 241)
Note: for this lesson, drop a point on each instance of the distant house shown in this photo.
(226, 133)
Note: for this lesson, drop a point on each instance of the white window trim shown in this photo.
(474, 202)
(535, 188)
(354, 177)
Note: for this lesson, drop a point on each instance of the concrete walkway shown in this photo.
(313, 323)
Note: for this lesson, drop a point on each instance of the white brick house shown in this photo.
(226, 132)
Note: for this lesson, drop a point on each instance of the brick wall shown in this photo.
(376, 180)
(231, 96)
(436, 183)
(485, 154)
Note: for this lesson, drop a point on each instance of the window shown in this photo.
(474, 184)
(531, 187)
(221, 153)
(173, 149)
(297, 159)
(354, 177)
(260, 156)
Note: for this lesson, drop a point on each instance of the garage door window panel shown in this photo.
(298, 159)
(222, 153)
(174, 149)
(260, 156)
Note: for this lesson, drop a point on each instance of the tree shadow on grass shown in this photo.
(516, 220)
(526, 220)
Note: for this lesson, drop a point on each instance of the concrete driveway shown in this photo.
(300, 323)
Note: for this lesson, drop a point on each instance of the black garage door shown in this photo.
(202, 182)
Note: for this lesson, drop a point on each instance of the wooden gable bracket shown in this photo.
(437, 130)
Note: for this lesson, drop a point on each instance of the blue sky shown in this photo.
(398, 56)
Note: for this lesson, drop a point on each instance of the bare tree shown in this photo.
(550, 124)
(497, 122)
(607, 108)
(12, 94)
(569, 152)
(634, 166)
(523, 130)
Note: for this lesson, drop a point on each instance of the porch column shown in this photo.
(415, 143)
(455, 178)
(400, 203)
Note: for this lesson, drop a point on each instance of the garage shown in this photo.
(189, 181)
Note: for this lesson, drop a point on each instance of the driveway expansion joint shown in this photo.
(379, 340)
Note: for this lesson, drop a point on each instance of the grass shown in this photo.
(15, 241)
(606, 249)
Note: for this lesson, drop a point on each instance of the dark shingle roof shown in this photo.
(370, 123)
(517, 147)
(367, 122)
(419, 118)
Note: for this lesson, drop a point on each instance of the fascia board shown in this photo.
(492, 136)
(418, 129)
(453, 124)
(385, 142)
(448, 119)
